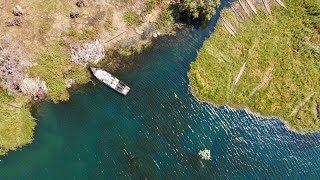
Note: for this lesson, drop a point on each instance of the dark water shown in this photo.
(157, 130)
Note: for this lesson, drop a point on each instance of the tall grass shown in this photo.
(285, 44)
(16, 124)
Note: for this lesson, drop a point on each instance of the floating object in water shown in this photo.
(205, 154)
(110, 80)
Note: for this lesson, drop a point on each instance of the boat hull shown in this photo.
(111, 81)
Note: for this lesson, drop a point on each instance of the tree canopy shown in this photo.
(202, 9)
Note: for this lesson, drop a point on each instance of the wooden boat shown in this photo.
(110, 81)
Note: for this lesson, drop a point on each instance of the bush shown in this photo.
(202, 9)
(132, 19)
(16, 124)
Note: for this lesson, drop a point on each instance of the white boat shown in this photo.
(110, 80)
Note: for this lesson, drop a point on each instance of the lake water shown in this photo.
(157, 130)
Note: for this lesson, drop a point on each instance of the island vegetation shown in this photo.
(266, 61)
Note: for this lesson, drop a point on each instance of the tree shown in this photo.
(202, 9)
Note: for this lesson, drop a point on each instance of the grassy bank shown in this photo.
(16, 122)
(48, 32)
(52, 63)
(281, 77)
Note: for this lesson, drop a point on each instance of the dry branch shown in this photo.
(266, 79)
(34, 87)
(266, 5)
(316, 110)
(237, 78)
(252, 6)
(281, 3)
(228, 29)
(238, 14)
(229, 25)
(300, 105)
(87, 52)
(244, 7)
(9, 104)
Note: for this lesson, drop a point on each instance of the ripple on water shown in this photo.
(158, 129)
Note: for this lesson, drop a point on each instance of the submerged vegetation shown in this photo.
(279, 57)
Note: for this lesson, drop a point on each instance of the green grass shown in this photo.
(52, 62)
(85, 34)
(284, 46)
(132, 19)
(16, 124)
(46, 25)
(166, 21)
(152, 4)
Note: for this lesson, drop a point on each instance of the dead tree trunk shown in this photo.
(244, 7)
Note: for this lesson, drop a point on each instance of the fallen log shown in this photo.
(281, 3)
(238, 14)
(316, 111)
(229, 24)
(244, 7)
(252, 6)
(237, 79)
(228, 29)
(115, 37)
(9, 104)
(297, 109)
(265, 80)
(266, 5)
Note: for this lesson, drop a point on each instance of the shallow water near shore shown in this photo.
(158, 129)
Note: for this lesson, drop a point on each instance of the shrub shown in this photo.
(202, 9)
(132, 19)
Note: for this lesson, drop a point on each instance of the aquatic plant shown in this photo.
(205, 154)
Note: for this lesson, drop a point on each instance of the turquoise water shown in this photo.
(157, 130)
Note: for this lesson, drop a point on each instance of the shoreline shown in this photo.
(248, 111)
(48, 53)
